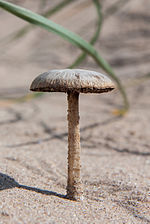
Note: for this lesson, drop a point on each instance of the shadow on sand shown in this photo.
(61, 137)
(7, 182)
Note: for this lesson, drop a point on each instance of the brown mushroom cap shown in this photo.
(72, 80)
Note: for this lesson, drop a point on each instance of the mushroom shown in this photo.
(73, 82)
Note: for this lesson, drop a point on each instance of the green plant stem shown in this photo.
(46, 14)
(83, 55)
(67, 35)
(109, 12)
(21, 32)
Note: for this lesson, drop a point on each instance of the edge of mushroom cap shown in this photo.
(72, 80)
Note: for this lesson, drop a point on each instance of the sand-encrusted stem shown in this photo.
(73, 82)
(74, 185)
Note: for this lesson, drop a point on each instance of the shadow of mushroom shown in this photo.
(7, 182)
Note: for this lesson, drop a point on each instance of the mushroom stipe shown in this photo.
(73, 82)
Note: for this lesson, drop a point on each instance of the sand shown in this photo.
(33, 138)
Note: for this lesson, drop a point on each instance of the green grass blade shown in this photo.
(82, 56)
(67, 35)
(24, 30)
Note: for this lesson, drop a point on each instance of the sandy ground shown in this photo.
(33, 136)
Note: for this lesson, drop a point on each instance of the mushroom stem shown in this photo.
(74, 185)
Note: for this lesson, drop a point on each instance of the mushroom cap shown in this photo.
(72, 80)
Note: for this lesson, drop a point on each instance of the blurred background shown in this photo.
(27, 51)
(33, 130)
